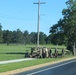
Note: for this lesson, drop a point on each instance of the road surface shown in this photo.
(64, 68)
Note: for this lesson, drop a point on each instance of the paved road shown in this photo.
(16, 60)
(65, 68)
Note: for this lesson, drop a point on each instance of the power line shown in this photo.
(17, 18)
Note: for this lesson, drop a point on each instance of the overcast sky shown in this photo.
(22, 14)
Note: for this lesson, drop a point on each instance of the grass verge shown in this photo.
(18, 65)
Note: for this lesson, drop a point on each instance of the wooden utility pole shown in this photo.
(38, 26)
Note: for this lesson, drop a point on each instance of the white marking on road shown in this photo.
(51, 67)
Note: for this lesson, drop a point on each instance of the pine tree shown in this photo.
(1, 34)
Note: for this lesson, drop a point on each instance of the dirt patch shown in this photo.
(34, 67)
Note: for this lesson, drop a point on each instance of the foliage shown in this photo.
(26, 37)
(42, 38)
(57, 33)
(64, 32)
(70, 21)
(20, 37)
(1, 34)
(7, 36)
(33, 37)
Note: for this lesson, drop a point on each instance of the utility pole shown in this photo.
(38, 26)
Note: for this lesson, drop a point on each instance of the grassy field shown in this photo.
(14, 51)
(18, 51)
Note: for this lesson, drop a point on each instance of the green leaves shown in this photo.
(66, 27)
(1, 34)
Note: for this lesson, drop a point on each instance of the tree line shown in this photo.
(19, 37)
(63, 32)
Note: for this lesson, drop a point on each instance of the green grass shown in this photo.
(14, 66)
(4, 57)
(17, 51)
(8, 67)
(13, 48)
(53, 46)
(14, 51)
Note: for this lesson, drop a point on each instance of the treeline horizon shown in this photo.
(20, 37)
(63, 32)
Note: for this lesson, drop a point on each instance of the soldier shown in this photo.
(73, 52)
(56, 52)
(43, 53)
(32, 50)
(50, 53)
(27, 54)
(40, 53)
(63, 52)
(46, 52)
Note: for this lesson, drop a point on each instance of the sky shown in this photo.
(23, 14)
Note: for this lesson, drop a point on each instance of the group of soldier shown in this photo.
(46, 53)
(43, 52)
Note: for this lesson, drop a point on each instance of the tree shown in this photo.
(42, 38)
(14, 38)
(26, 37)
(19, 36)
(65, 30)
(33, 37)
(7, 36)
(48, 39)
(1, 34)
(57, 33)
(70, 21)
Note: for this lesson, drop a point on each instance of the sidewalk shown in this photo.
(16, 60)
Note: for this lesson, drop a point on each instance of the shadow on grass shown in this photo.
(13, 53)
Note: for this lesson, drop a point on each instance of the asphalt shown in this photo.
(16, 60)
(63, 68)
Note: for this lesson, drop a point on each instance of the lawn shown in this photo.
(18, 51)
(14, 51)
(18, 65)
